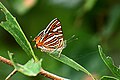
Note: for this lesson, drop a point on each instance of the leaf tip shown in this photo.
(10, 54)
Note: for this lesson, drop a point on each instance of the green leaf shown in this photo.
(108, 78)
(31, 68)
(108, 61)
(12, 26)
(64, 59)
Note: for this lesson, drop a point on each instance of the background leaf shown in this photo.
(108, 78)
(108, 61)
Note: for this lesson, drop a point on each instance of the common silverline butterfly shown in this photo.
(51, 38)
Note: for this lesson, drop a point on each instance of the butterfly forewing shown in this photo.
(51, 38)
(53, 26)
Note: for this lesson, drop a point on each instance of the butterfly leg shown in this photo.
(59, 54)
(62, 47)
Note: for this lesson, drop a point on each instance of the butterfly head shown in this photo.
(37, 41)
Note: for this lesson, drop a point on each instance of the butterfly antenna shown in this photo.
(71, 39)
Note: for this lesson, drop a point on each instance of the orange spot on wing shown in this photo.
(39, 44)
(37, 39)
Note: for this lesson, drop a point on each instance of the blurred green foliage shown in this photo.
(92, 21)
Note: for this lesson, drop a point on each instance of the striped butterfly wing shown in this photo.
(51, 38)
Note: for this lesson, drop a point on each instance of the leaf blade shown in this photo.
(64, 59)
(11, 25)
(31, 68)
(108, 78)
(109, 62)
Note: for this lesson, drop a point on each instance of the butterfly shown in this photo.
(51, 38)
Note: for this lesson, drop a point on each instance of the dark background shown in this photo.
(93, 22)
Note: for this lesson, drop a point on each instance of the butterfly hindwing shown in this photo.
(54, 34)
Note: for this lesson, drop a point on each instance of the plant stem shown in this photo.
(35, 58)
(6, 61)
(49, 75)
(42, 71)
(11, 74)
